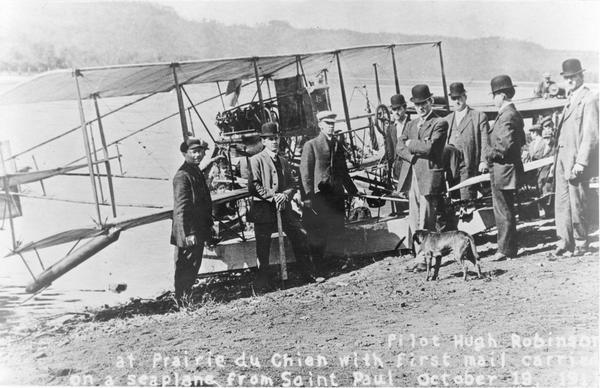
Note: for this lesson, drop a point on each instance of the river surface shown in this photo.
(142, 257)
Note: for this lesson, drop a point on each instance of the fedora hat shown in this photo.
(420, 93)
(457, 89)
(501, 82)
(191, 143)
(269, 129)
(397, 101)
(571, 67)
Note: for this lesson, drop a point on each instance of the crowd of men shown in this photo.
(425, 155)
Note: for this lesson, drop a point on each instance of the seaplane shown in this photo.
(288, 89)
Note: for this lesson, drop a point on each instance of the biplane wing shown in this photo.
(85, 233)
(486, 177)
(527, 107)
(35, 176)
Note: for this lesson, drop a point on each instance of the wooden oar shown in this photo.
(282, 260)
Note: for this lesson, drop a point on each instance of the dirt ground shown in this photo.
(373, 321)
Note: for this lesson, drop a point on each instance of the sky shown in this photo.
(567, 25)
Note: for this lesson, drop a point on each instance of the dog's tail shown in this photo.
(473, 247)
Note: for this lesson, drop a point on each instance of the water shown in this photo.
(142, 257)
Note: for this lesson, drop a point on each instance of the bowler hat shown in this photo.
(269, 129)
(571, 67)
(191, 143)
(457, 89)
(501, 82)
(420, 93)
(327, 116)
(397, 101)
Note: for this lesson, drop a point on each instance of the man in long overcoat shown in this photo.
(324, 175)
(421, 147)
(503, 153)
(392, 132)
(576, 161)
(467, 131)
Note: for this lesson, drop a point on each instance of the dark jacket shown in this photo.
(472, 132)
(321, 169)
(391, 141)
(192, 206)
(505, 140)
(424, 155)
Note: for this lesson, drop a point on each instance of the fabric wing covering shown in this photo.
(84, 233)
(130, 80)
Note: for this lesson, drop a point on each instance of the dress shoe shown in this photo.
(562, 251)
(499, 256)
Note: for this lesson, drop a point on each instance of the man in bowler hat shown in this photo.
(324, 176)
(467, 131)
(421, 147)
(273, 187)
(192, 216)
(576, 161)
(393, 132)
(503, 154)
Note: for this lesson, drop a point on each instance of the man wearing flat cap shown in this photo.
(503, 154)
(467, 131)
(576, 162)
(422, 146)
(393, 132)
(192, 216)
(273, 187)
(324, 176)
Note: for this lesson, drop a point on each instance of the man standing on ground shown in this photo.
(192, 216)
(576, 161)
(324, 176)
(503, 154)
(421, 147)
(393, 132)
(467, 131)
(272, 188)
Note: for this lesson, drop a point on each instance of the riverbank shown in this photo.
(533, 320)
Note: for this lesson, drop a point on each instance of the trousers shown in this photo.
(187, 265)
(296, 234)
(424, 211)
(570, 209)
(503, 202)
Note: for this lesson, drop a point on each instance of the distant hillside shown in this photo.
(59, 35)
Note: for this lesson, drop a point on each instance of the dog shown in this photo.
(436, 245)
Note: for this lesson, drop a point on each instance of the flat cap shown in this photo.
(326, 115)
(191, 143)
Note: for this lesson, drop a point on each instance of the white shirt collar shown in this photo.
(459, 115)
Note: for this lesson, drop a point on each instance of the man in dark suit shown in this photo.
(422, 147)
(467, 129)
(192, 216)
(503, 153)
(393, 132)
(576, 162)
(324, 176)
(272, 186)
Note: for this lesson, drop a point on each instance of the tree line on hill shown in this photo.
(68, 35)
